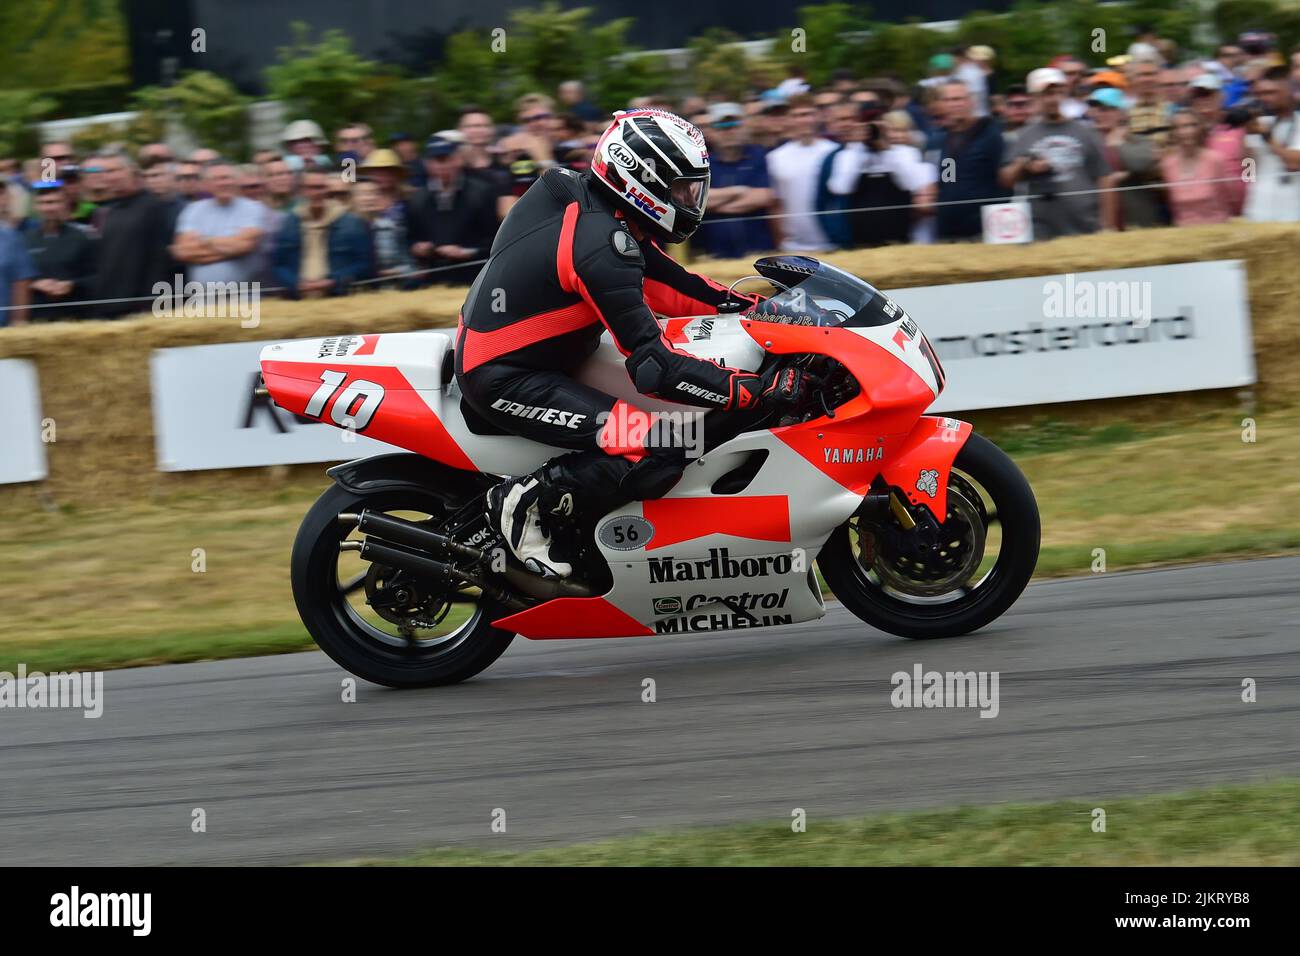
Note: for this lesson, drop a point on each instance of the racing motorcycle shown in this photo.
(917, 525)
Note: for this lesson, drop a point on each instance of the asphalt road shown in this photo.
(1116, 683)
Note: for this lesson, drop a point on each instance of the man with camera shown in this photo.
(1062, 161)
(1273, 141)
(876, 179)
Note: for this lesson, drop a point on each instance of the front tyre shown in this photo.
(984, 554)
(373, 622)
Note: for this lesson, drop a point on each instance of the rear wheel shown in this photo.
(380, 623)
(952, 582)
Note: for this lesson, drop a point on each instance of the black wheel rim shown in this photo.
(978, 503)
(344, 576)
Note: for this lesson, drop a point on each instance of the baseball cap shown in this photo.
(980, 52)
(726, 115)
(1206, 81)
(1109, 78)
(1109, 97)
(438, 146)
(942, 61)
(1042, 78)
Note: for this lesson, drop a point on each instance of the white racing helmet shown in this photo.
(655, 165)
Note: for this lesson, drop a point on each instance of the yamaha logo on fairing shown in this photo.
(852, 456)
(621, 155)
(718, 565)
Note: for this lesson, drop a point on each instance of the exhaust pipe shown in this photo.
(406, 541)
(409, 533)
(426, 566)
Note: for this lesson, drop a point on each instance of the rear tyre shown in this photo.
(422, 649)
(987, 492)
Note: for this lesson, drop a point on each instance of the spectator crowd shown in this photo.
(1148, 139)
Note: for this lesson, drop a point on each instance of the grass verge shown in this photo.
(1246, 825)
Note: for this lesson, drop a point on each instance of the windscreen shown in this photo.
(818, 293)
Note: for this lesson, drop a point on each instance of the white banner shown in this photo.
(205, 415)
(23, 457)
(1060, 338)
(1087, 335)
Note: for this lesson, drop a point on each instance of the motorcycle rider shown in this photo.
(580, 253)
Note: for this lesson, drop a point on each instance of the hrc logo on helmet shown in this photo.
(644, 202)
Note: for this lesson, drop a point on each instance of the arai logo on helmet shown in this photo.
(621, 155)
(644, 202)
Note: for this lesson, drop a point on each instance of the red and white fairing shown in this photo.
(695, 559)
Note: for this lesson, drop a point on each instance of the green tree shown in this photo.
(51, 44)
(829, 37)
(615, 71)
(325, 80)
(472, 73)
(20, 110)
(206, 105)
(718, 67)
(540, 49)
(901, 50)
(548, 45)
(1232, 17)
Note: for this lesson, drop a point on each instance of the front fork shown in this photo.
(921, 463)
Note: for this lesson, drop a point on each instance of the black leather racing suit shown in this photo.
(563, 269)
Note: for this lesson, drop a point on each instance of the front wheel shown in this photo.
(956, 580)
(378, 623)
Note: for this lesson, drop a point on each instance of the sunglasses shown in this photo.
(537, 116)
(65, 158)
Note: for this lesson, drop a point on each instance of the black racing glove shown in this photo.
(778, 389)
